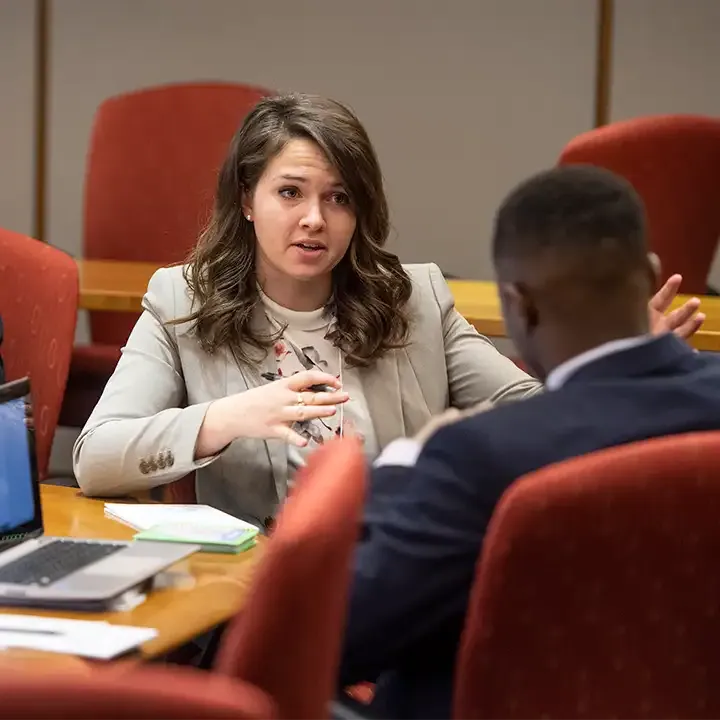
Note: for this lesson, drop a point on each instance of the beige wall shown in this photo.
(16, 114)
(462, 98)
(666, 60)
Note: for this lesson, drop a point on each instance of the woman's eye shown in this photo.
(341, 198)
(289, 193)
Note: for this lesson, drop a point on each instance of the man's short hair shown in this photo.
(570, 212)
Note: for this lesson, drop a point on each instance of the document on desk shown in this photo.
(85, 638)
(144, 517)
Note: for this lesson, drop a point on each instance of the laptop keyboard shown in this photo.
(54, 561)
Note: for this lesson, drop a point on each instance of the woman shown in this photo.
(289, 288)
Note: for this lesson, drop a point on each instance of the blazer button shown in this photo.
(153, 464)
(169, 458)
(144, 469)
(161, 461)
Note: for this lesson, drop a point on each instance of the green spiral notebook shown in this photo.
(228, 539)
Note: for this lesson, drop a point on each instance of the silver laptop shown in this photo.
(54, 572)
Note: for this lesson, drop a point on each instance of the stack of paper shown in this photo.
(85, 638)
(212, 529)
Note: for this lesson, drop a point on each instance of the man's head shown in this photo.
(572, 264)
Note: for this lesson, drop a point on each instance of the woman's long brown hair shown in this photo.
(370, 286)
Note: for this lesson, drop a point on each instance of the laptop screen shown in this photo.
(17, 494)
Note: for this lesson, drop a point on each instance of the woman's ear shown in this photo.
(246, 204)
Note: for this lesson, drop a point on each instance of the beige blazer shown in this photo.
(144, 429)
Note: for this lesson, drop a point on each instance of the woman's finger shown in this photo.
(303, 380)
(286, 433)
(321, 398)
(299, 413)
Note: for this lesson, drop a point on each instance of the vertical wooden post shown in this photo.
(603, 61)
(42, 37)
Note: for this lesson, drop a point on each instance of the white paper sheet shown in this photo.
(85, 638)
(145, 516)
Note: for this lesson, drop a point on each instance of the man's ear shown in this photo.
(655, 269)
(517, 298)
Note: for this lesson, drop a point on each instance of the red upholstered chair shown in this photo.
(287, 639)
(673, 161)
(38, 305)
(597, 593)
(151, 173)
(147, 694)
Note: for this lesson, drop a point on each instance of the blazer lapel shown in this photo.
(381, 388)
(394, 397)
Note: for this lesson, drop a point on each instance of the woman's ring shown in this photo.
(300, 400)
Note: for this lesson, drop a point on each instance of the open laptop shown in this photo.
(41, 571)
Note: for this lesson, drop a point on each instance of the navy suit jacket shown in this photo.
(425, 524)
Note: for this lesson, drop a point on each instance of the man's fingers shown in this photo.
(690, 327)
(664, 296)
(681, 315)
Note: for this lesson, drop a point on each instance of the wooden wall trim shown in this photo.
(603, 61)
(41, 49)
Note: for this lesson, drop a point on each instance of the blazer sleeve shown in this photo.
(414, 567)
(139, 435)
(477, 371)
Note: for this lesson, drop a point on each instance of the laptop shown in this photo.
(54, 572)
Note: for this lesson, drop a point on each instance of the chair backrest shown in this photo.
(147, 694)
(288, 637)
(597, 593)
(673, 161)
(38, 305)
(151, 172)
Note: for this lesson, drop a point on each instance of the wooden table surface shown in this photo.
(219, 582)
(111, 285)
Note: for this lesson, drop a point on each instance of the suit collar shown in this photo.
(657, 354)
(559, 376)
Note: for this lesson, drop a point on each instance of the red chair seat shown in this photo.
(97, 360)
(90, 369)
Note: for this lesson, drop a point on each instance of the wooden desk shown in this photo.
(479, 303)
(110, 285)
(179, 614)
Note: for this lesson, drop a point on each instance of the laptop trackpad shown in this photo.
(119, 566)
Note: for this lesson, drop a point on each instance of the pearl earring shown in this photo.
(248, 216)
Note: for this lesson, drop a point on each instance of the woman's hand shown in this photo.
(268, 412)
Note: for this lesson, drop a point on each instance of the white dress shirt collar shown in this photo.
(562, 372)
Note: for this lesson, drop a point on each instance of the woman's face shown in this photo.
(302, 215)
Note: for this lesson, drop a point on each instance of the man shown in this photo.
(574, 278)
